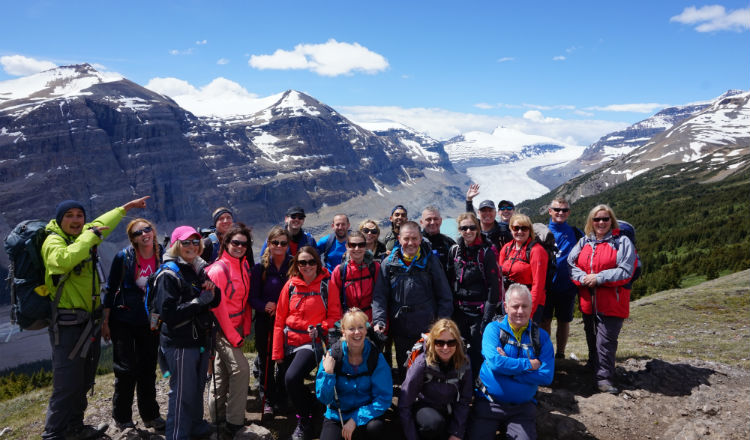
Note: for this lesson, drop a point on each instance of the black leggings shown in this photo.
(298, 365)
(431, 423)
(373, 430)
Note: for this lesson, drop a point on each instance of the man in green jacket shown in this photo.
(69, 257)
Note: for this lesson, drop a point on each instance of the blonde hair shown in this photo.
(365, 222)
(353, 315)
(522, 220)
(155, 243)
(176, 249)
(468, 215)
(589, 228)
(265, 259)
(430, 354)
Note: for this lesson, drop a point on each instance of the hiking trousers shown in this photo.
(487, 417)
(372, 430)
(134, 353)
(71, 379)
(601, 337)
(188, 368)
(470, 326)
(264, 331)
(232, 374)
(297, 366)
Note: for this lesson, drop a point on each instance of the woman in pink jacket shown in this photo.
(231, 273)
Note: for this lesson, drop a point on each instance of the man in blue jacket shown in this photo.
(518, 357)
(332, 247)
(561, 295)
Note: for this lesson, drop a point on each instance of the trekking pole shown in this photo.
(213, 378)
(335, 393)
(265, 373)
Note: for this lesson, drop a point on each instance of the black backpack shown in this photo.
(31, 307)
(153, 314)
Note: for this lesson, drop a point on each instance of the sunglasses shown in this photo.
(194, 242)
(601, 219)
(238, 243)
(370, 231)
(304, 263)
(520, 228)
(506, 208)
(279, 243)
(467, 228)
(297, 216)
(138, 233)
(443, 343)
(561, 209)
(358, 245)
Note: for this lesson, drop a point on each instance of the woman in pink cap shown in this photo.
(183, 297)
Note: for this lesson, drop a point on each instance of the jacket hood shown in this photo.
(52, 226)
(198, 262)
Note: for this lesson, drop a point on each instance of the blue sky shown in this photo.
(570, 70)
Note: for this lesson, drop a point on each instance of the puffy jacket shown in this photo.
(234, 313)
(267, 290)
(122, 296)
(472, 280)
(613, 261)
(64, 254)
(532, 273)
(184, 323)
(306, 307)
(509, 378)
(446, 389)
(361, 398)
(359, 284)
(335, 252)
(566, 237)
(411, 297)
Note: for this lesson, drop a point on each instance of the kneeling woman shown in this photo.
(354, 381)
(435, 396)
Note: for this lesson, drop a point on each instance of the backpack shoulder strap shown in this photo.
(372, 358)
(578, 234)
(342, 293)
(536, 339)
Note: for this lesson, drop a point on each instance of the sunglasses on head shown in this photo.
(506, 208)
(370, 231)
(467, 228)
(194, 242)
(238, 243)
(561, 209)
(601, 219)
(358, 245)
(279, 243)
(519, 228)
(297, 216)
(445, 343)
(303, 263)
(140, 232)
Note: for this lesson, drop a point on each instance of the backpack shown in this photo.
(153, 314)
(628, 230)
(546, 238)
(338, 354)
(507, 338)
(461, 264)
(323, 293)
(31, 307)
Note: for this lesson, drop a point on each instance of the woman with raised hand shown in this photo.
(524, 261)
(304, 314)
(474, 279)
(231, 274)
(355, 384)
(134, 345)
(601, 265)
(371, 231)
(267, 280)
(184, 297)
(435, 396)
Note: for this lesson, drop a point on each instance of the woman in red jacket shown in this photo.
(231, 274)
(524, 261)
(359, 270)
(601, 264)
(304, 307)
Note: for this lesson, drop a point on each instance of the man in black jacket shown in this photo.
(497, 233)
(440, 243)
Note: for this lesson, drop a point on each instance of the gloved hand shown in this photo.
(204, 298)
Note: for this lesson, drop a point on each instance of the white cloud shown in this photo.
(222, 61)
(221, 97)
(181, 52)
(558, 58)
(714, 18)
(634, 108)
(328, 59)
(20, 65)
(505, 59)
(483, 105)
(201, 42)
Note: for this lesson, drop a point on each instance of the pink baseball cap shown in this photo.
(183, 232)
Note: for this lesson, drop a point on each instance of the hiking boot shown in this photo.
(87, 432)
(608, 388)
(157, 424)
(267, 412)
(122, 426)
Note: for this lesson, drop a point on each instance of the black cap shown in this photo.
(502, 203)
(295, 210)
(487, 204)
(397, 207)
(65, 206)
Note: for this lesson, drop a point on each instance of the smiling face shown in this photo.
(340, 226)
(189, 249)
(278, 245)
(442, 348)
(307, 266)
(372, 233)
(431, 222)
(294, 222)
(487, 217)
(141, 238)
(356, 248)
(559, 212)
(468, 230)
(602, 223)
(73, 221)
(506, 212)
(518, 307)
(223, 223)
(355, 331)
(410, 239)
(237, 246)
(520, 232)
(398, 218)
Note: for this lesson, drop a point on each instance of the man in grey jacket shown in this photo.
(410, 293)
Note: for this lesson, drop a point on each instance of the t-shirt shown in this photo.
(143, 268)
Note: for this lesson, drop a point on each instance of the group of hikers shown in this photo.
(469, 320)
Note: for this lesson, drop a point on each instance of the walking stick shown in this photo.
(265, 374)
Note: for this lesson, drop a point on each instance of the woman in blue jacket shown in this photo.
(355, 384)
(134, 345)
